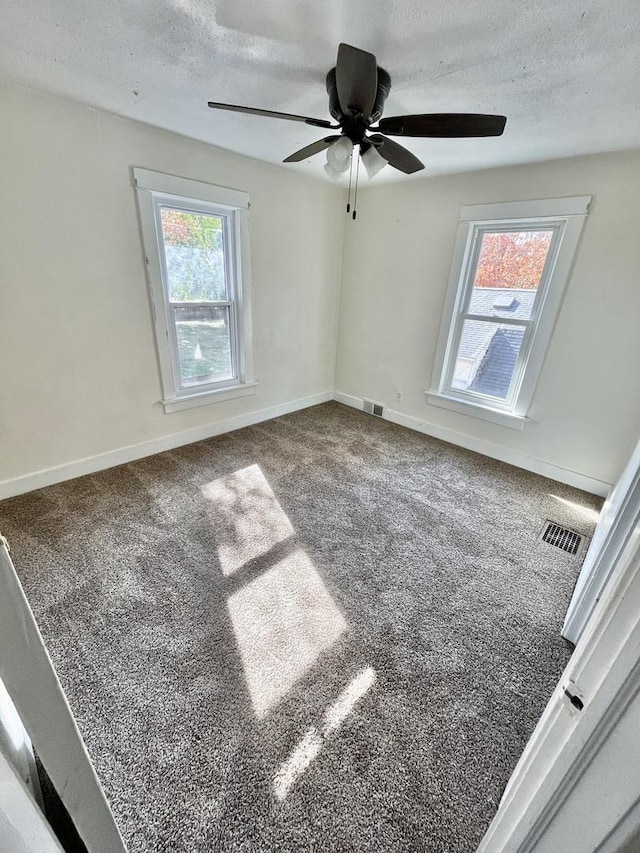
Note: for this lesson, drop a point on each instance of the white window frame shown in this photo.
(565, 217)
(154, 191)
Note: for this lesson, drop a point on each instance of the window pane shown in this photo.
(204, 343)
(510, 265)
(194, 253)
(486, 358)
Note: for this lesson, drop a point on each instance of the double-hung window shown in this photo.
(196, 251)
(511, 264)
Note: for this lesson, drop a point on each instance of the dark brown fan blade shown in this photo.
(443, 125)
(356, 80)
(395, 154)
(312, 149)
(316, 122)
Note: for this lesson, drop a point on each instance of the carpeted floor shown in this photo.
(321, 633)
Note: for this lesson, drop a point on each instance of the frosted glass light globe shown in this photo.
(339, 154)
(373, 161)
(331, 172)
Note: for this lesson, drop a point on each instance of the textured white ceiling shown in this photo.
(565, 72)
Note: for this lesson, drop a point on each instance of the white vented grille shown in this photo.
(561, 537)
(372, 408)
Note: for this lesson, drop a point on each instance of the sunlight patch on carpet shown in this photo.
(344, 704)
(589, 515)
(309, 747)
(301, 757)
(247, 517)
(283, 621)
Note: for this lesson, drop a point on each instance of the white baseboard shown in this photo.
(91, 464)
(348, 400)
(487, 448)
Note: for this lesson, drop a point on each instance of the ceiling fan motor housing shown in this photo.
(357, 89)
(355, 124)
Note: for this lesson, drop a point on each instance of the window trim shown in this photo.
(155, 190)
(566, 216)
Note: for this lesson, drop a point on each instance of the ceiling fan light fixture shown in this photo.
(358, 87)
(373, 161)
(331, 172)
(339, 154)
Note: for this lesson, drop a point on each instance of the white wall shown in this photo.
(78, 370)
(585, 414)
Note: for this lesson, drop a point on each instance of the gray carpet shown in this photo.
(323, 632)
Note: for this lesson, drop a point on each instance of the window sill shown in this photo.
(484, 413)
(177, 404)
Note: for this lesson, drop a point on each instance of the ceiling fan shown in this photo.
(358, 89)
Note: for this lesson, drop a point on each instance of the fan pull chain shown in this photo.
(350, 173)
(355, 195)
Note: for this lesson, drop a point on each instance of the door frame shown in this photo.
(31, 681)
(604, 672)
(20, 810)
(620, 515)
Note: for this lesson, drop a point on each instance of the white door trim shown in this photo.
(16, 744)
(31, 680)
(22, 824)
(620, 515)
(566, 743)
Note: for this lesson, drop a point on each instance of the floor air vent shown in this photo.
(372, 408)
(561, 537)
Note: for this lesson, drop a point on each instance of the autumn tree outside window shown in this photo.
(510, 268)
